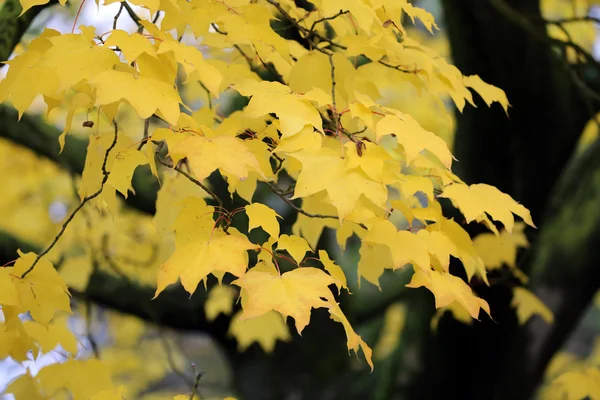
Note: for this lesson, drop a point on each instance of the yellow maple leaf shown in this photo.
(42, 292)
(265, 330)
(448, 288)
(292, 294)
(374, 259)
(334, 270)
(295, 245)
(56, 333)
(293, 111)
(405, 247)
(220, 300)
(263, 216)
(488, 93)
(83, 378)
(324, 169)
(194, 261)
(146, 95)
(528, 304)
(121, 172)
(132, 46)
(501, 249)
(477, 199)
(413, 138)
(354, 341)
(221, 152)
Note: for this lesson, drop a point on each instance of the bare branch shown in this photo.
(105, 174)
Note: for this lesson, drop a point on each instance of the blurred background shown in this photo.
(545, 155)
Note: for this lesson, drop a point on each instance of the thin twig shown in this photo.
(295, 207)
(105, 174)
(117, 15)
(133, 16)
(312, 27)
(156, 17)
(208, 95)
(145, 138)
(199, 374)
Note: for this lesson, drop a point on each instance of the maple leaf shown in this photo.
(293, 111)
(405, 247)
(448, 288)
(354, 341)
(146, 95)
(263, 216)
(334, 270)
(477, 199)
(324, 169)
(295, 245)
(42, 292)
(131, 46)
(292, 294)
(220, 300)
(528, 304)
(265, 330)
(194, 261)
(229, 154)
(121, 173)
(413, 138)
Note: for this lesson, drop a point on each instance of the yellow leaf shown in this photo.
(476, 200)
(25, 387)
(374, 259)
(56, 333)
(194, 261)
(324, 169)
(334, 270)
(265, 330)
(42, 292)
(220, 300)
(263, 216)
(221, 152)
(417, 12)
(499, 250)
(528, 304)
(132, 46)
(295, 245)
(463, 248)
(194, 64)
(364, 15)
(121, 173)
(83, 378)
(580, 383)
(405, 247)
(145, 95)
(8, 292)
(354, 341)
(448, 288)
(293, 111)
(488, 93)
(292, 294)
(413, 138)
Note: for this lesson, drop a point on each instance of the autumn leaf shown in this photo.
(263, 216)
(292, 294)
(194, 261)
(447, 289)
(265, 330)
